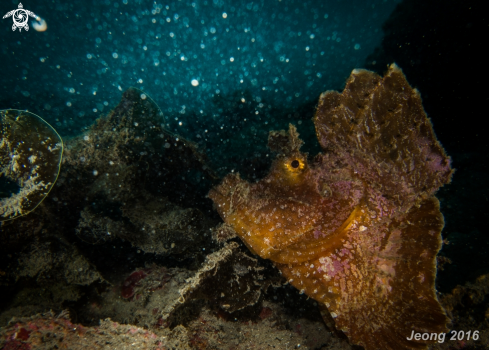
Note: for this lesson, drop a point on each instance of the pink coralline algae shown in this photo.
(131, 282)
(149, 279)
(22, 334)
(49, 331)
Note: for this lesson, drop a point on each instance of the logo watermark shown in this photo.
(21, 18)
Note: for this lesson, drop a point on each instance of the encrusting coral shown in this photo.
(48, 331)
(358, 228)
(30, 158)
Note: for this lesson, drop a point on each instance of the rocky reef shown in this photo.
(127, 250)
(127, 233)
(127, 177)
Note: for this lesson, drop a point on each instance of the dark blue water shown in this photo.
(272, 54)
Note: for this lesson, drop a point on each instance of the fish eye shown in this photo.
(295, 164)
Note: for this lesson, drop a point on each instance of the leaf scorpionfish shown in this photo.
(357, 228)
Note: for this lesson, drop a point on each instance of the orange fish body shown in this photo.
(358, 229)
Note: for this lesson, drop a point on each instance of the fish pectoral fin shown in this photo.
(380, 286)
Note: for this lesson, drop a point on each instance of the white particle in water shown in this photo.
(194, 82)
(115, 55)
(143, 96)
(86, 138)
(95, 172)
(224, 15)
(39, 25)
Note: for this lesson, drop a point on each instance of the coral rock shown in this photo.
(160, 297)
(230, 277)
(47, 331)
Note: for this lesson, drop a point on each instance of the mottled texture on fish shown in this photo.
(357, 229)
(379, 128)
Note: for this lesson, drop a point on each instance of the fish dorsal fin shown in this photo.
(378, 126)
(283, 142)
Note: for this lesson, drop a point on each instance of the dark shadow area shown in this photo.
(8, 187)
(439, 45)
